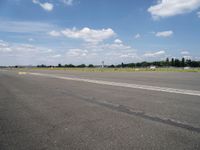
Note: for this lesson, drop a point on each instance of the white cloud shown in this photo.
(187, 57)
(25, 54)
(137, 36)
(25, 26)
(55, 56)
(89, 35)
(155, 54)
(120, 55)
(198, 14)
(68, 2)
(118, 41)
(31, 39)
(105, 47)
(185, 53)
(46, 6)
(4, 47)
(3, 44)
(26, 49)
(164, 33)
(167, 8)
(114, 52)
(111, 53)
(196, 58)
(54, 33)
(114, 46)
(77, 52)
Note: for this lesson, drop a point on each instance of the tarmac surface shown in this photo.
(47, 110)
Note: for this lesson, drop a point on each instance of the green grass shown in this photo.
(119, 69)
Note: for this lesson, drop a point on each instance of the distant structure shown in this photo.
(102, 66)
(187, 68)
(152, 67)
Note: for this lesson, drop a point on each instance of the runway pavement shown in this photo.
(99, 110)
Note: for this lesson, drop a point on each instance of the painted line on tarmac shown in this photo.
(22, 73)
(126, 85)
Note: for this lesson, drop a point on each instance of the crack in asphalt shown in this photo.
(130, 111)
(141, 114)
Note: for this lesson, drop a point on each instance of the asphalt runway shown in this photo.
(61, 110)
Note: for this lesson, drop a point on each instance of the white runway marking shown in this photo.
(127, 85)
(22, 73)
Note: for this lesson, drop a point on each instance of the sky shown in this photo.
(76, 32)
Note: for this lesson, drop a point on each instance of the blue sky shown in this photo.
(90, 31)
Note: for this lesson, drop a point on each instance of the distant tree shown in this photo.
(59, 65)
(188, 63)
(122, 65)
(177, 63)
(66, 65)
(183, 62)
(167, 62)
(144, 64)
(81, 66)
(91, 66)
(131, 65)
(71, 66)
(195, 63)
(172, 62)
(41, 66)
(138, 64)
(111, 66)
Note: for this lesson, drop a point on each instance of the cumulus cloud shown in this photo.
(77, 52)
(122, 55)
(137, 36)
(155, 54)
(118, 41)
(46, 6)
(25, 26)
(185, 53)
(111, 53)
(4, 47)
(164, 33)
(31, 39)
(54, 33)
(25, 54)
(115, 52)
(89, 35)
(104, 47)
(68, 2)
(167, 8)
(3, 44)
(187, 57)
(114, 46)
(55, 56)
(22, 48)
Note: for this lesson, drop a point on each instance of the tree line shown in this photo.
(167, 63)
